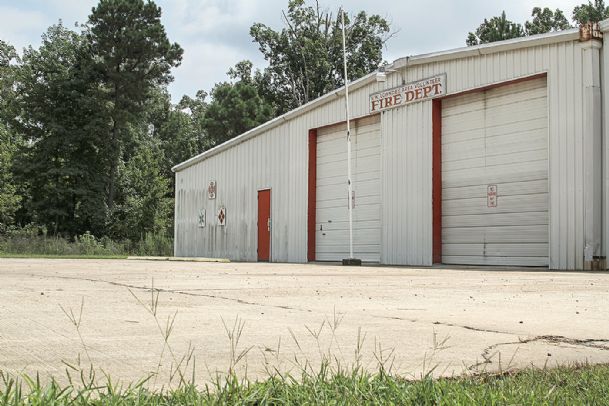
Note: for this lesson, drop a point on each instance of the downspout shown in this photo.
(591, 39)
(604, 72)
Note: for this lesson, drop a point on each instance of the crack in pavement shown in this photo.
(179, 292)
(551, 339)
(466, 327)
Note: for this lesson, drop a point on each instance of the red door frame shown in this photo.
(264, 225)
(436, 191)
(312, 189)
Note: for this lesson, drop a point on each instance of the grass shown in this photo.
(61, 256)
(34, 242)
(587, 384)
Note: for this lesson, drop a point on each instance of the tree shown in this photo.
(495, 29)
(546, 20)
(132, 54)
(305, 57)
(589, 12)
(143, 204)
(62, 121)
(9, 197)
(235, 107)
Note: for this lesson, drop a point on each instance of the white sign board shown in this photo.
(491, 196)
(425, 89)
(211, 190)
(202, 218)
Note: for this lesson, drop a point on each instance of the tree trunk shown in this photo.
(113, 165)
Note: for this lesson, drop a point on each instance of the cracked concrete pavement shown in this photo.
(449, 320)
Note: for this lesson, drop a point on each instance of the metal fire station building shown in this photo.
(488, 155)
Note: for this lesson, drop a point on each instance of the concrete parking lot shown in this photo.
(451, 321)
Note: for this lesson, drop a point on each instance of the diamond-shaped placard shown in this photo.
(222, 216)
(202, 218)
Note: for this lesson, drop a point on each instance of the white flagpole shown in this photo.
(349, 182)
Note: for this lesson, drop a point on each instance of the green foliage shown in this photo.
(131, 55)
(143, 205)
(61, 119)
(495, 29)
(9, 199)
(546, 20)
(305, 58)
(565, 386)
(235, 107)
(34, 241)
(588, 12)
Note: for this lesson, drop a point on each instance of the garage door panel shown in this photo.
(534, 139)
(464, 164)
(505, 234)
(496, 261)
(336, 238)
(495, 174)
(464, 135)
(518, 127)
(332, 228)
(360, 164)
(364, 212)
(340, 200)
(496, 219)
(500, 138)
(497, 250)
(339, 180)
(531, 157)
(338, 149)
(505, 204)
(463, 150)
(504, 189)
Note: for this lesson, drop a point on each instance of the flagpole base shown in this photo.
(352, 262)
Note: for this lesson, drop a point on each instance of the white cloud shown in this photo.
(215, 33)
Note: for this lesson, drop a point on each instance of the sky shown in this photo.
(215, 33)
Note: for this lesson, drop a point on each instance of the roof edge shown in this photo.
(356, 84)
(401, 63)
(571, 34)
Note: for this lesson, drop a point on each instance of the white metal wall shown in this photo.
(278, 159)
(332, 222)
(563, 64)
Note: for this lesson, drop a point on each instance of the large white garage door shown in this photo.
(332, 227)
(496, 138)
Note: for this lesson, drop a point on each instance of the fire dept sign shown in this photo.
(413, 92)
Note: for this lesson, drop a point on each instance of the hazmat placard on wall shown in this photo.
(413, 92)
(211, 190)
(491, 196)
(202, 218)
(222, 216)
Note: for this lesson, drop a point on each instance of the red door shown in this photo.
(264, 225)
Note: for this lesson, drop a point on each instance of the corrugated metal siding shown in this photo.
(278, 159)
